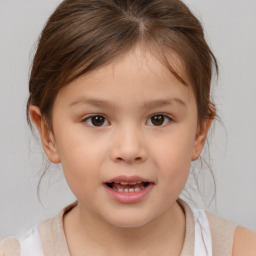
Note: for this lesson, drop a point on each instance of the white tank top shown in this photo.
(31, 244)
(203, 238)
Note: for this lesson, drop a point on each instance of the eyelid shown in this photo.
(88, 117)
(160, 114)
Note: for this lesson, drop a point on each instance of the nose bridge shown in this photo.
(129, 144)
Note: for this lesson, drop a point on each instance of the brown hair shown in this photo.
(82, 35)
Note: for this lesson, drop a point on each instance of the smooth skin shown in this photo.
(131, 117)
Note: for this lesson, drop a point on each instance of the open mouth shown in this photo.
(128, 187)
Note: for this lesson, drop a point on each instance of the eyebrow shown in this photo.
(146, 105)
(164, 102)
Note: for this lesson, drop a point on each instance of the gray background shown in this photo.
(230, 30)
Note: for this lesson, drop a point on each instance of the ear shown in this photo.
(46, 135)
(202, 132)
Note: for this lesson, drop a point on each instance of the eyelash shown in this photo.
(167, 119)
(88, 120)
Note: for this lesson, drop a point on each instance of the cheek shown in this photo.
(176, 148)
(173, 159)
(75, 144)
(81, 159)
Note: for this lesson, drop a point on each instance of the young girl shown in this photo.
(120, 95)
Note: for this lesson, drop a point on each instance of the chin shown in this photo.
(129, 223)
(129, 220)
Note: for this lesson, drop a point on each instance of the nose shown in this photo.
(129, 146)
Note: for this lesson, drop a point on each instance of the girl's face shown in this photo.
(125, 135)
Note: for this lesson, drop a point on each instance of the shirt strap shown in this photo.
(203, 239)
(31, 245)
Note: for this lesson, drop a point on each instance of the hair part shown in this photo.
(83, 35)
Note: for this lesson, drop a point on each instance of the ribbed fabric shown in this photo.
(222, 235)
(10, 247)
(53, 238)
(54, 241)
(188, 246)
(222, 232)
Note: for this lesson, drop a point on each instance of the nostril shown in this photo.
(129, 159)
(126, 153)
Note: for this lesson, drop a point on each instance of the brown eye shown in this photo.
(158, 120)
(96, 120)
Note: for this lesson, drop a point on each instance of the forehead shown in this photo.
(142, 62)
(139, 72)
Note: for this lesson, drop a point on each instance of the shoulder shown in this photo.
(10, 247)
(221, 227)
(244, 242)
(234, 240)
(222, 233)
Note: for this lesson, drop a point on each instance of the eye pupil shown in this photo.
(157, 120)
(98, 120)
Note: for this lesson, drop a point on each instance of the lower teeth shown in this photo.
(128, 190)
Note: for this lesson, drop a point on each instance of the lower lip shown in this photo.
(130, 197)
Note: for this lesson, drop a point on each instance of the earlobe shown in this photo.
(201, 138)
(46, 135)
(202, 132)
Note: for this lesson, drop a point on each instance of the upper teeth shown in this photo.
(129, 183)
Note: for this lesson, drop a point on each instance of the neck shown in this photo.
(84, 228)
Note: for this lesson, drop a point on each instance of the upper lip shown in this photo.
(125, 178)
